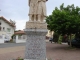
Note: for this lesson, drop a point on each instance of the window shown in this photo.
(3, 28)
(24, 36)
(0, 23)
(8, 29)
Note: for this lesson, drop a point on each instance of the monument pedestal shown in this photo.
(35, 43)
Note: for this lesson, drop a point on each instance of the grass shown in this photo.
(50, 59)
(19, 58)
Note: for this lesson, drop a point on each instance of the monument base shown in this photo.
(33, 59)
(35, 42)
(37, 25)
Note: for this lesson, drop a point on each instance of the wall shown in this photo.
(1, 39)
(6, 25)
(19, 40)
(50, 33)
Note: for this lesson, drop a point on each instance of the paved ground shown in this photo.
(62, 52)
(54, 51)
(11, 45)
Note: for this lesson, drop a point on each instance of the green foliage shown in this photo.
(49, 59)
(64, 21)
(19, 58)
(55, 37)
(11, 40)
(13, 36)
(60, 39)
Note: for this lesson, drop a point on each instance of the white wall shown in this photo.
(1, 39)
(6, 25)
(17, 40)
(20, 41)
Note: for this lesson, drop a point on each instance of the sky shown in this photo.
(18, 10)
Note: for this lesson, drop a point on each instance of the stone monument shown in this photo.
(36, 30)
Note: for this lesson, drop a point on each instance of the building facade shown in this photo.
(19, 37)
(7, 29)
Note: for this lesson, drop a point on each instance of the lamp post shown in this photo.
(70, 34)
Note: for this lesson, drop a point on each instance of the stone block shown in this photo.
(37, 25)
(35, 44)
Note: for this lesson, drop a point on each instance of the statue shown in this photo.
(36, 30)
(37, 10)
(31, 9)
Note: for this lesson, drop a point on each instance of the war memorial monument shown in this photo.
(36, 30)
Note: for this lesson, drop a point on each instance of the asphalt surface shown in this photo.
(54, 51)
(5, 45)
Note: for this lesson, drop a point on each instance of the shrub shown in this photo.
(19, 58)
(55, 37)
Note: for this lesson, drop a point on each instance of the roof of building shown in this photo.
(19, 32)
(1, 17)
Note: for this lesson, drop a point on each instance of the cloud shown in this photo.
(15, 9)
(20, 24)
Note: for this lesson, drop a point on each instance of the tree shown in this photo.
(65, 20)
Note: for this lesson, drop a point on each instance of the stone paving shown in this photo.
(54, 52)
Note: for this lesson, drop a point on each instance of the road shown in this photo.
(5, 45)
(54, 51)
